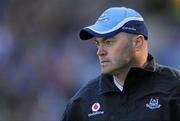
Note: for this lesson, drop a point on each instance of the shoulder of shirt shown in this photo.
(87, 91)
(169, 74)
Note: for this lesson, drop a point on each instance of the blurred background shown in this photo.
(43, 62)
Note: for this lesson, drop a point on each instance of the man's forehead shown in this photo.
(101, 38)
(119, 35)
(104, 39)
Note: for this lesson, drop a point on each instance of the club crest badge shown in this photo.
(103, 18)
(153, 103)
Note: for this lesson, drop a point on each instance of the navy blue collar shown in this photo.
(135, 75)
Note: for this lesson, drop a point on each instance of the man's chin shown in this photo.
(103, 71)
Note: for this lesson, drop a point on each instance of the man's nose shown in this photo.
(101, 51)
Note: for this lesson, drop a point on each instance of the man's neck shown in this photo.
(121, 76)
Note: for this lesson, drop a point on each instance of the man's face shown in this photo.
(115, 54)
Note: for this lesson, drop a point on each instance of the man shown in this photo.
(132, 86)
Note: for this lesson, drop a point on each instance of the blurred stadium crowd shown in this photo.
(43, 62)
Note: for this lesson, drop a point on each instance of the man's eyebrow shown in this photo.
(103, 39)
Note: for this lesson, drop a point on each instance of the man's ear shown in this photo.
(138, 42)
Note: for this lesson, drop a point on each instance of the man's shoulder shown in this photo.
(87, 91)
(169, 72)
(172, 77)
(168, 76)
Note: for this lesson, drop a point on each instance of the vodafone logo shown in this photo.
(95, 110)
(95, 107)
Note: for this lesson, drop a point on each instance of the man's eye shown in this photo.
(97, 43)
(108, 42)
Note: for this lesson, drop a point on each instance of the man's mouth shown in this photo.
(104, 62)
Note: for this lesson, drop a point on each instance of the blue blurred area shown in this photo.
(43, 62)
